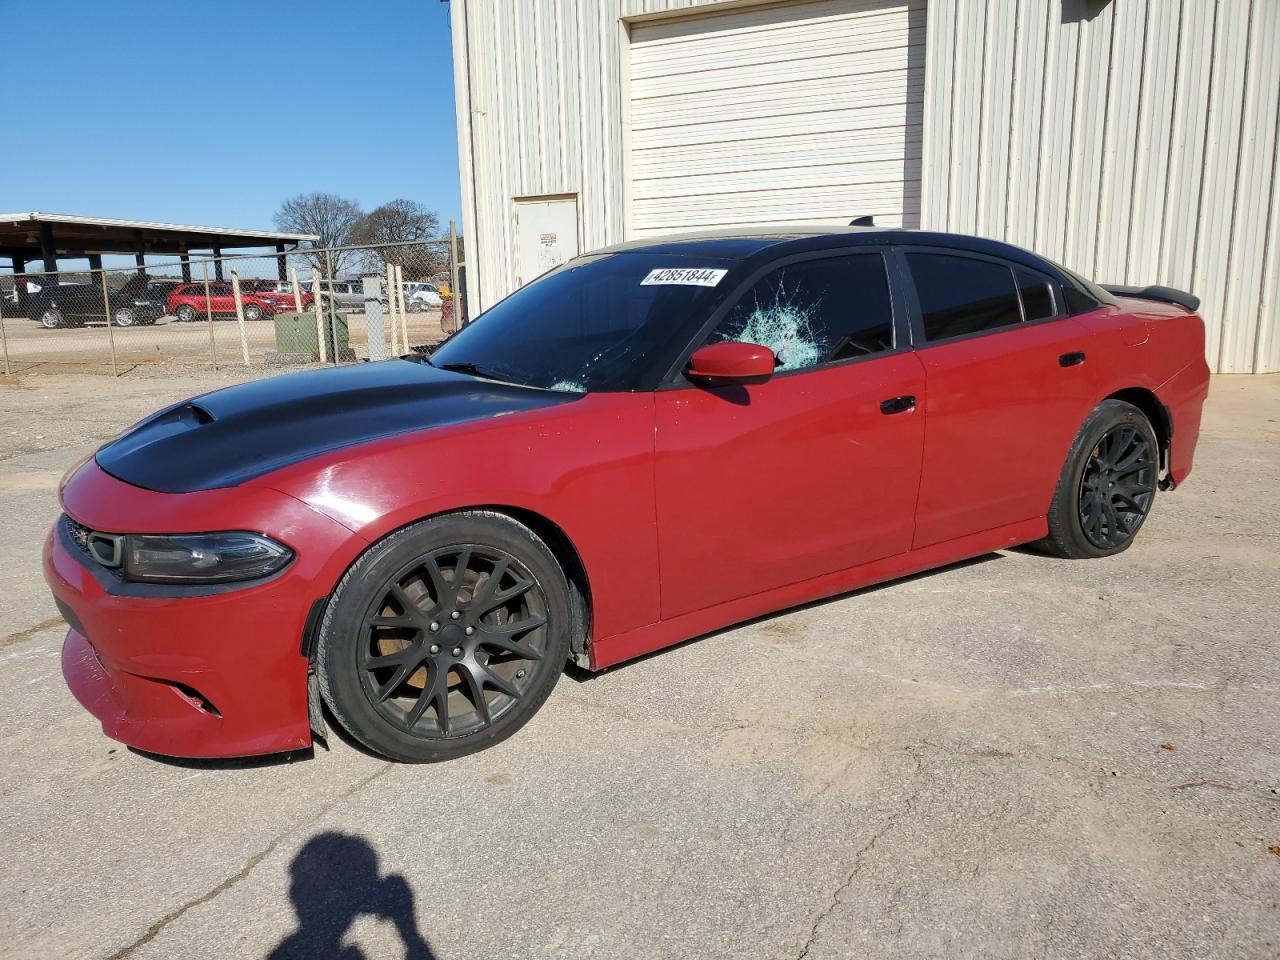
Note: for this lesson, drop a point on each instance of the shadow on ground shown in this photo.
(333, 881)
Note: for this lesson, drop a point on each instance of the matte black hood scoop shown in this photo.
(227, 437)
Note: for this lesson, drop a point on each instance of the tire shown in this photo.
(1108, 484)
(125, 318)
(413, 669)
(253, 313)
(186, 313)
(52, 318)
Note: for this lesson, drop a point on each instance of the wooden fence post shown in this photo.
(4, 337)
(208, 311)
(111, 334)
(244, 336)
(318, 305)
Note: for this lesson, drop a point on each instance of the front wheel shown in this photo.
(186, 314)
(126, 318)
(445, 638)
(253, 312)
(1108, 484)
(51, 319)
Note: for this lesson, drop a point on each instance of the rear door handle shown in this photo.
(1072, 359)
(897, 405)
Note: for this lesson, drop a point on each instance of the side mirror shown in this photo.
(718, 363)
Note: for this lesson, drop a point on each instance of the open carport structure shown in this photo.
(47, 238)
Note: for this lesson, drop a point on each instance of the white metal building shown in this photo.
(1132, 140)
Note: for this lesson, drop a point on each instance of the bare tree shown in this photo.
(402, 222)
(332, 218)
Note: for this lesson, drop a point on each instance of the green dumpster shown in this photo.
(296, 335)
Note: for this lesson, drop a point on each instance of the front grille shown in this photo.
(78, 533)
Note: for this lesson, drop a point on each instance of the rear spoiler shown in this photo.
(1163, 294)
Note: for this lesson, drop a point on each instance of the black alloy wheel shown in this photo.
(445, 637)
(450, 643)
(1117, 486)
(1107, 486)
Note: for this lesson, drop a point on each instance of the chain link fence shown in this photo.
(304, 307)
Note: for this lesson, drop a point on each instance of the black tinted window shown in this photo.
(600, 322)
(960, 295)
(1037, 292)
(816, 311)
(1077, 302)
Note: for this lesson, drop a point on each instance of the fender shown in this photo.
(570, 468)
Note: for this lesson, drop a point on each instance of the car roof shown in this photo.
(745, 243)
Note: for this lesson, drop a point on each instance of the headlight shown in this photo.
(202, 557)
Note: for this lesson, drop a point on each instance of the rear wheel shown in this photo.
(1108, 484)
(186, 313)
(445, 638)
(253, 312)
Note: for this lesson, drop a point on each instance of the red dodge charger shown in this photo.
(648, 443)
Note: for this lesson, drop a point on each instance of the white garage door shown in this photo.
(799, 112)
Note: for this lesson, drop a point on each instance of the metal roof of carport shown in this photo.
(20, 233)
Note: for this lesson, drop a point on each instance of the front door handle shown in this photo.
(897, 405)
(1072, 359)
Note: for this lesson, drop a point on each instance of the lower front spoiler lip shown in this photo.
(155, 716)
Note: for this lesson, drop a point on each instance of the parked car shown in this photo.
(420, 295)
(159, 290)
(11, 296)
(648, 443)
(346, 293)
(188, 304)
(77, 304)
(279, 293)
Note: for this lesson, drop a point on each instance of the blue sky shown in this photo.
(203, 113)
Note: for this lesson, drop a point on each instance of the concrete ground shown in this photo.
(1015, 757)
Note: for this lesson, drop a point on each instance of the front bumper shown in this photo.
(174, 672)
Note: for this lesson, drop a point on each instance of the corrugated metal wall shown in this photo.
(540, 100)
(1132, 140)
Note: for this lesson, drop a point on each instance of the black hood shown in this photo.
(227, 437)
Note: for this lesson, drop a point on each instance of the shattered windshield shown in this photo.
(602, 322)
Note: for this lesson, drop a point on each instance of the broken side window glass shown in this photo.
(816, 311)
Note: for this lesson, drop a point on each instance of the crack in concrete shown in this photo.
(30, 632)
(156, 928)
(1220, 785)
(858, 859)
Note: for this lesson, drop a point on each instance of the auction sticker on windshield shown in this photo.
(686, 276)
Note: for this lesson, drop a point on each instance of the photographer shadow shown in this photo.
(333, 881)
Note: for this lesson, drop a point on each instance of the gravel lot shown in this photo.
(1014, 757)
(33, 349)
